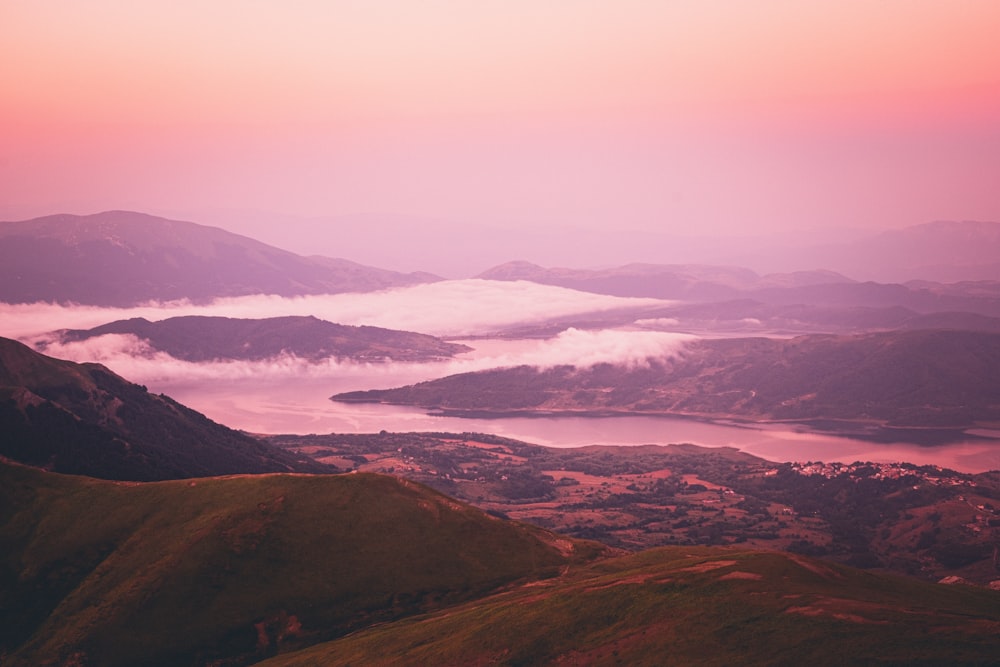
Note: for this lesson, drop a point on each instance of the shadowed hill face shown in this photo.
(84, 419)
(120, 258)
(189, 572)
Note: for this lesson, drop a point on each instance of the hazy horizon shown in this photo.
(382, 132)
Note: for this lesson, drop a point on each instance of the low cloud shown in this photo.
(448, 308)
(582, 349)
(658, 323)
(133, 359)
(453, 308)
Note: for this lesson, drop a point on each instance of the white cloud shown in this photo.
(586, 348)
(448, 308)
(133, 359)
(455, 308)
(658, 323)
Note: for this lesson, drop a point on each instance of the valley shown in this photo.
(567, 467)
(924, 521)
(500, 334)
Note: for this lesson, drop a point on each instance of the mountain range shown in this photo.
(711, 283)
(122, 258)
(904, 378)
(134, 530)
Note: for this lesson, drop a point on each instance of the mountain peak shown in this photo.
(121, 258)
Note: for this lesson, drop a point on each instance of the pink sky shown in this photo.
(683, 116)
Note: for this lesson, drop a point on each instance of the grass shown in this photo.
(660, 608)
(183, 571)
(371, 570)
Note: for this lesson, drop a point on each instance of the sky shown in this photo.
(330, 126)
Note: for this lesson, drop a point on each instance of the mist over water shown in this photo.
(302, 406)
(291, 395)
(447, 308)
(299, 403)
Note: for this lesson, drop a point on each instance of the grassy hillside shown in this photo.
(233, 569)
(693, 606)
(84, 419)
(905, 378)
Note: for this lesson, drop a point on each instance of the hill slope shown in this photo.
(84, 419)
(906, 378)
(230, 569)
(121, 258)
(196, 338)
(693, 606)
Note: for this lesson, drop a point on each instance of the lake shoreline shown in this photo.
(868, 430)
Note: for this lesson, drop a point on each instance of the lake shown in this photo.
(301, 405)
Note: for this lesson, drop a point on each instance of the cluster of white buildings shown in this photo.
(882, 471)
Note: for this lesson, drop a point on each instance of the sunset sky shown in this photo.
(684, 116)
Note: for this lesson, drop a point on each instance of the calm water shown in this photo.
(301, 405)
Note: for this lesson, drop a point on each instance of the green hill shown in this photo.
(693, 606)
(228, 570)
(84, 419)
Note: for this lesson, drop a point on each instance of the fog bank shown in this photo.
(448, 308)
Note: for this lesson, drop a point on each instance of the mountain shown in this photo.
(708, 283)
(229, 570)
(692, 606)
(84, 419)
(944, 251)
(904, 378)
(198, 338)
(121, 258)
(662, 281)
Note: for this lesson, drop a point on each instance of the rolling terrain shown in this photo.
(922, 521)
(907, 378)
(197, 338)
(190, 543)
(84, 419)
(230, 570)
(122, 258)
(692, 606)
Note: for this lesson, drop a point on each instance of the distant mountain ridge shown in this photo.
(663, 281)
(197, 338)
(122, 258)
(943, 250)
(83, 419)
(711, 283)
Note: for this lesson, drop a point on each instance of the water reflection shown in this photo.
(302, 406)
